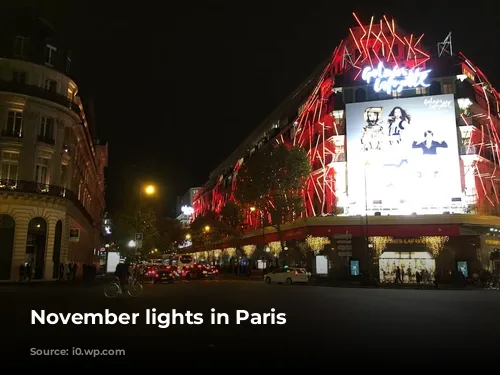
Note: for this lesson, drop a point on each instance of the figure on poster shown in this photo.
(372, 136)
(429, 167)
(429, 146)
(398, 121)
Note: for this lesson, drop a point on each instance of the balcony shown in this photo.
(38, 92)
(8, 133)
(47, 139)
(31, 187)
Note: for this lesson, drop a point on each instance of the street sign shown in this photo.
(138, 237)
(345, 253)
(344, 244)
(342, 237)
(344, 247)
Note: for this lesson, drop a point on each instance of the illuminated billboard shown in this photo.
(402, 156)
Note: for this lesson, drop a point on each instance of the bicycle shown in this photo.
(113, 289)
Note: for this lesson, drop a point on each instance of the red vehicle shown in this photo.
(199, 271)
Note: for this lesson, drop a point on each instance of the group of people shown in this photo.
(68, 271)
(401, 275)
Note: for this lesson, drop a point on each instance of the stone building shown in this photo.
(52, 166)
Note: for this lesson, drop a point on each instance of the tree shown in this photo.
(206, 229)
(170, 232)
(133, 221)
(231, 219)
(273, 181)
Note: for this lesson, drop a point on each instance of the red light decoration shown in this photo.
(319, 129)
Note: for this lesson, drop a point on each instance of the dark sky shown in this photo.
(178, 86)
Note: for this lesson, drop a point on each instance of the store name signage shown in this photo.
(468, 73)
(395, 79)
(406, 241)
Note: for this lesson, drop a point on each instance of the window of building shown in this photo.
(19, 77)
(64, 176)
(10, 167)
(421, 90)
(20, 44)
(14, 123)
(447, 88)
(50, 55)
(50, 85)
(42, 171)
(47, 128)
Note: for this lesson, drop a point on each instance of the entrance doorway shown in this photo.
(57, 250)
(36, 245)
(409, 263)
(7, 229)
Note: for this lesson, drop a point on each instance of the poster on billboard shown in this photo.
(403, 156)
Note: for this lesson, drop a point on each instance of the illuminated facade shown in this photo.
(52, 168)
(185, 206)
(404, 147)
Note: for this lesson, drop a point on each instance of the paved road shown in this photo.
(335, 325)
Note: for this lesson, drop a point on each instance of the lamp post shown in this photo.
(206, 230)
(132, 244)
(149, 190)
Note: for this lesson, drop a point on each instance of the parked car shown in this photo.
(289, 275)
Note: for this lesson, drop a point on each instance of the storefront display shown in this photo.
(409, 263)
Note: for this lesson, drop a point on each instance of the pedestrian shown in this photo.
(61, 271)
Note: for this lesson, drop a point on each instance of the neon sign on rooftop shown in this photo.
(395, 79)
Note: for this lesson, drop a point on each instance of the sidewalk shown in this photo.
(241, 277)
(357, 284)
(78, 282)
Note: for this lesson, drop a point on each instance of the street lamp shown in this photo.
(131, 243)
(252, 209)
(206, 229)
(188, 236)
(150, 189)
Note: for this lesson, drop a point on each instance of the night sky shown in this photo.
(178, 87)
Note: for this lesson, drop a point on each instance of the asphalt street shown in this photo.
(344, 327)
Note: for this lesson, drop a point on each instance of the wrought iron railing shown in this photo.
(32, 187)
(39, 92)
(11, 133)
(46, 139)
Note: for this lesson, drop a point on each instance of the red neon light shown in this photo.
(316, 126)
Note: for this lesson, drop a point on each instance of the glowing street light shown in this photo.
(188, 236)
(252, 209)
(131, 243)
(207, 228)
(150, 189)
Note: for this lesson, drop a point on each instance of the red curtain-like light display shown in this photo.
(319, 127)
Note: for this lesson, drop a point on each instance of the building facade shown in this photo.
(52, 168)
(184, 209)
(404, 147)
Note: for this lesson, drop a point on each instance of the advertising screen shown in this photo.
(402, 156)
(113, 260)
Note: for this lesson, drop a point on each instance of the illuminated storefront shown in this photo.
(403, 144)
(409, 263)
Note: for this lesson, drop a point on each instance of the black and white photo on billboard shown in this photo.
(402, 155)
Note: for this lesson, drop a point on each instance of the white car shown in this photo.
(289, 275)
